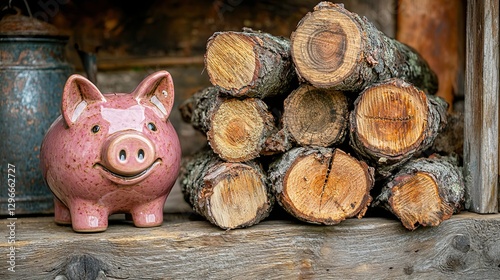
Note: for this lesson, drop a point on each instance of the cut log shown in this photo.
(424, 192)
(250, 63)
(321, 185)
(334, 48)
(229, 195)
(392, 121)
(237, 129)
(315, 116)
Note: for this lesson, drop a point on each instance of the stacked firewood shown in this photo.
(315, 122)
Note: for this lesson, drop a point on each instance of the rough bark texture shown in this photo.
(250, 63)
(197, 108)
(316, 117)
(229, 195)
(424, 192)
(392, 121)
(321, 185)
(450, 141)
(237, 129)
(334, 48)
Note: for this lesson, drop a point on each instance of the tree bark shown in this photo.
(450, 141)
(392, 121)
(424, 192)
(321, 185)
(334, 48)
(314, 116)
(229, 195)
(250, 63)
(237, 129)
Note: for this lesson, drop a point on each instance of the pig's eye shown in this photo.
(152, 126)
(96, 128)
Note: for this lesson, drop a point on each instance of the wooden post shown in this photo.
(481, 106)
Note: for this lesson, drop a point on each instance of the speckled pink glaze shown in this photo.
(112, 153)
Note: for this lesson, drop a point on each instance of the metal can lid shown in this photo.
(20, 25)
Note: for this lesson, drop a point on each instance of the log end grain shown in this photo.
(250, 63)
(425, 191)
(236, 196)
(391, 119)
(229, 195)
(323, 186)
(239, 129)
(316, 116)
(416, 201)
(337, 49)
(230, 60)
(326, 46)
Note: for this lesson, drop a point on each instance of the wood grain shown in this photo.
(482, 106)
(337, 49)
(392, 121)
(466, 246)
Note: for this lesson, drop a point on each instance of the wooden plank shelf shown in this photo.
(466, 246)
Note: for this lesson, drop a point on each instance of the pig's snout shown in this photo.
(128, 153)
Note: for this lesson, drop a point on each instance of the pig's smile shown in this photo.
(126, 180)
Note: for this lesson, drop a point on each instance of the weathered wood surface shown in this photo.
(482, 88)
(465, 247)
(335, 48)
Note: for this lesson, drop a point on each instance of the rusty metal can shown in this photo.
(33, 71)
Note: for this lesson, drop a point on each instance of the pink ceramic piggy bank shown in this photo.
(112, 153)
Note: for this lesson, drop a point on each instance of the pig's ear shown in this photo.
(157, 88)
(78, 93)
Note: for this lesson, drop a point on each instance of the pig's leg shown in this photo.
(149, 214)
(88, 217)
(61, 213)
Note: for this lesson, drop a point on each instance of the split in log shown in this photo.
(237, 129)
(315, 116)
(229, 195)
(334, 48)
(392, 121)
(250, 63)
(424, 192)
(321, 185)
